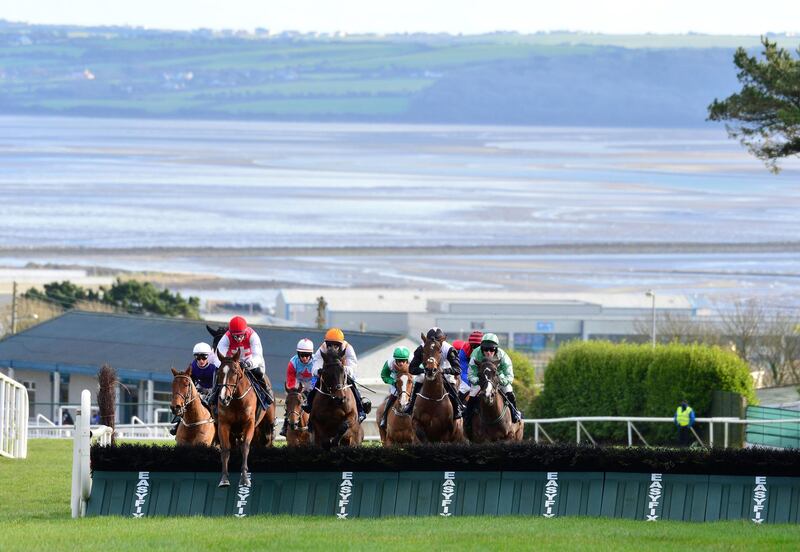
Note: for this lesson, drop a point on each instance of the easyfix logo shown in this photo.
(140, 494)
(448, 490)
(760, 500)
(654, 495)
(345, 490)
(550, 494)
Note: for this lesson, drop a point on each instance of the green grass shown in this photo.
(34, 515)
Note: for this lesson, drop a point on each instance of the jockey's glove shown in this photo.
(247, 364)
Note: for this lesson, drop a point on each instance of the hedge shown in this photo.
(599, 378)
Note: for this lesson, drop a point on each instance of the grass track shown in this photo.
(34, 515)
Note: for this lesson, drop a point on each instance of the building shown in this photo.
(59, 358)
(523, 320)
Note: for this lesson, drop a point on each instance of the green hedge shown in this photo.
(598, 378)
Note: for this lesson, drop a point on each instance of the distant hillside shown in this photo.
(547, 78)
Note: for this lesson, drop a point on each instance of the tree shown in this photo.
(65, 294)
(524, 381)
(743, 324)
(765, 115)
(780, 347)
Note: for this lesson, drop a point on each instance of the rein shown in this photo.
(502, 415)
(186, 403)
(234, 385)
(332, 389)
(299, 412)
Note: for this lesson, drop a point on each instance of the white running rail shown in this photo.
(13, 418)
(82, 443)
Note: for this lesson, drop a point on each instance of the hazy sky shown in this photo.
(454, 16)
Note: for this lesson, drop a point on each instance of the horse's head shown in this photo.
(183, 391)
(488, 379)
(333, 375)
(293, 405)
(229, 373)
(216, 334)
(431, 352)
(403, 383)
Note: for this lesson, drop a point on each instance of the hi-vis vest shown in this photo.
(684, 416)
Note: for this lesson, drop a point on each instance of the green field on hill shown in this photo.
(34, 515)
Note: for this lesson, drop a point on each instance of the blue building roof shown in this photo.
(145, 347)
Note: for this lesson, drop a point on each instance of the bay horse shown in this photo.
(197, 425)
(492, 422)
(236, 416)
(398, 428)
(297, 433)
(334, 417)
(432, 418)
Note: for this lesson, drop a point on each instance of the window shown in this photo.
(31, 387)
(63, 390)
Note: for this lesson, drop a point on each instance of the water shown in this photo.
(130, 183)
(82, 184)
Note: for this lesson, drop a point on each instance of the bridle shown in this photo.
(188, 399)
(401, 392)
(495, 382)
(432, 372)
(230, 396)
(332, 390)
(298, 425)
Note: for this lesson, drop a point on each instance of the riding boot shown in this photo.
(285, 425)
(262, 377)
(516, 415)
(309, 400)
(174, 429)
(472, 403)
(359, 402)
(457, 407)
(389, 405)
(410, 407)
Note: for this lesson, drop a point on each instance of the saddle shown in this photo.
(264, 395)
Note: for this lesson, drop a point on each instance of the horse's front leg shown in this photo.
(225, 453)
(247, 437)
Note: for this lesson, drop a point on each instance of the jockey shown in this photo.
(389, 376)
(299, 376)
(202, 376)
(450, 366)
(472, 343)
(490, 349)
(241, 337)
(334, 337)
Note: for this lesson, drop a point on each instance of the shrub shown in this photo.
(599, 378)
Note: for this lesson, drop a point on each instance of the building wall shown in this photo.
(43, 396)
(369, 321)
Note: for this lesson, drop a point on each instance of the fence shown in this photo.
(772, 433)
(13, 418)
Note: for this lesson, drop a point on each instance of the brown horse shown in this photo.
(334, 417)
(432, 418)
(493, 419)
(237, 423)
(398, 428)
(197, 425)
(297, 419)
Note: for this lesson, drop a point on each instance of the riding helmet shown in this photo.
(237, 324)
(490, 338)
(334, 334)
(305, 346)
(401, 353)
(202, 349)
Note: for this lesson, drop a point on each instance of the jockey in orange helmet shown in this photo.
(334, 337)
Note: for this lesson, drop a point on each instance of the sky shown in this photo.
(397, 16)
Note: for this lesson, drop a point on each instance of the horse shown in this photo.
(217, 335)
(297, 419)
(493, 419)
(237, 407)
(334, 417)
(398, 428)
(197, 425)
(432, 418)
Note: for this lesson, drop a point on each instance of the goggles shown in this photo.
(304, 355)
(201, 356)
(333, 344)
(238, 336)
(489, 348)
(401, 360)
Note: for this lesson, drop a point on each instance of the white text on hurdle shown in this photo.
(550, 494)
(141, 492)
(345, 490)
(654, 494)
(759, 499)
(448, 490)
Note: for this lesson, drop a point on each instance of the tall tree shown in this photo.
(765, 115)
